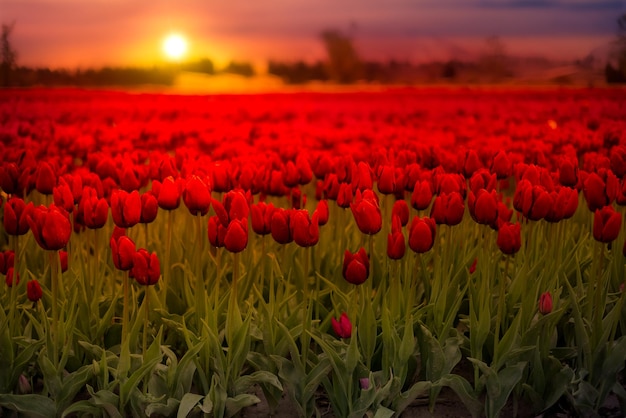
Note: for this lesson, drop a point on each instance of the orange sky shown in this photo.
(88, 33)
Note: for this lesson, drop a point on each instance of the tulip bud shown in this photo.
(343, 326)
(356, 266)
(545, 303)
(509, 238)
(33, 290)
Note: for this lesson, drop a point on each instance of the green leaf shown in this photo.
(187, 404)
(500, 387)
(382, 412)
(151, 358)
(401, 402)
(236, 404)
(464, 391)
(33, 405)
(72, 384)
(244, 383)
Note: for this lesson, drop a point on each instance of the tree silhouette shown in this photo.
(8, 53)
(344, 65)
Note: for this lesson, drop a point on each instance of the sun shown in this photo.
(174, 46)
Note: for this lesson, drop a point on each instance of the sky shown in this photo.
(93, 33)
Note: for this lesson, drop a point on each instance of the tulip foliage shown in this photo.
(165, 255)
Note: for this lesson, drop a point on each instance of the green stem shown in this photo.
(125, 307)
(54, 268)
(501, 306)
(146, 314)
(598, 304)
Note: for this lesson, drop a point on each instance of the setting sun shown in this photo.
(174, 46)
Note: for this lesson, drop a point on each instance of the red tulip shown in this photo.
(545, 303)
(7, 260)
(197, 196)
(471, 163)
(332, 188)
(261, 214)
(64, 260)
(280, 226)
(216, 232)
(422, 234)
(236, 205)
(600, 189)
(50, 226)
(533, 201)
(322, 212)
(146, 267)
(483, 206)
(356, 266)
(386, 179)
(33, 290)
(16, 213)
(366, 212)
(606, 224)
(483, 179)
(568, 172)
(422, 195)
(306, 231)
(344, 196)
(12, 277)
(236, 236)
(95, 212)
(401, 210)
(564, 204)
(501, 165)
(167, 193)
(472, 268)
(396, 246)
(63, 197)
(123, 252)
(9, 179)
(342, 327)
(125, 208)
(149, 208)
(448, 209)
(46, 178)
(509, 238)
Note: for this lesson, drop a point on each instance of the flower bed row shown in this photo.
(163, 254)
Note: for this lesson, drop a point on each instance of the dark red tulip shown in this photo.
(363, 179)
(564, 204)
(9, 179)
(386, 179)
(298, 200)
(448, 209)
(356, 266)
(545, 303)
(125, 208)
(12, 277)
(16, 216)
(46, 178)
(533, 201)
(149, 208)
(568, 172)
(344, 196)
(422, 195)
(422, 234)
(33, 290)
(472, 268)
(95, 212)
(236, 205)
(64, 261)
(123, 252)
(261, 214)
(600, 189)
(618, 160)
(197, 196)
(7, 260)
(216, 231)
(483, 206)
(167, 193)
(146, 267)
(236, 236)
(322, 212)
(449, 183)
(509, 238)
(366, 212)
(50, 226)
(606, 224)
(483, 179)
(401, 210)
(306, 231)
(396, 246)
(63, 197)
(471, 163)
(280, 226)
(342, 327)
(501, 165)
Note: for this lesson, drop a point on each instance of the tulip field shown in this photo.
(346, 254)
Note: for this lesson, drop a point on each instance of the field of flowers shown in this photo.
(165, 255)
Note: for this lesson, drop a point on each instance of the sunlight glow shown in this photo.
(174, 46)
